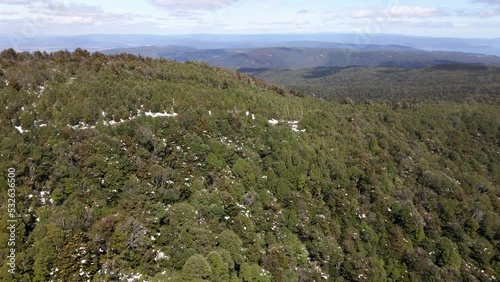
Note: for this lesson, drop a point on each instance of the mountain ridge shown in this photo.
(303, 57)
(98, 42)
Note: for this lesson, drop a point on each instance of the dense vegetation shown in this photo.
(450, 82)
(141, 169)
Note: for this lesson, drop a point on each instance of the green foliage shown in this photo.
(253, 273)
(401, 87)
(197, 267)
(447, 254)
(244, 170)
(394, 190)
(220, 270)
(229, 241)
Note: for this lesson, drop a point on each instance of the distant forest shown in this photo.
(447, 82)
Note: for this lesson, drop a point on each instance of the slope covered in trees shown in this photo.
(141, 169)
(448, 82)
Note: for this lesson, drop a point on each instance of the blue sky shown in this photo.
(459, 18)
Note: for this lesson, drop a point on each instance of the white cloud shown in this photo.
(365, 14)
(16, 2)
(412, 11)
(8, 13)
(192, 4)
(397, 11)
(70, 20)
(492, 2)
(53, 12)
(482, 13)
(485, 13)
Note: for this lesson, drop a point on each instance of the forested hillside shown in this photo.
(448, 82)
(134, 169)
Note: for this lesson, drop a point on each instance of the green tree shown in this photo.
(245, 171)
(230, 241)
(447, 254)
(220, 270)
(197, 267)
(253, 273)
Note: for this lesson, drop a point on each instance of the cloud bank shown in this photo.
(192, 4)
(397, 11)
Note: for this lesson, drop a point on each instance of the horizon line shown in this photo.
(248, 34)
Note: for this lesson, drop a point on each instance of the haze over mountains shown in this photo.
(279, 51)
(95, 42)
(286, 58)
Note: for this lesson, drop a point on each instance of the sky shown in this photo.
(440, 18)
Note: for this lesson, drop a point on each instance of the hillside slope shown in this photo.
(150, 170)
(456, 82)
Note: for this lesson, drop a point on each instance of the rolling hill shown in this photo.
(457, 82)
(302, 57)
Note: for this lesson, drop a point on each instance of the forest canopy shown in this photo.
(153, 170)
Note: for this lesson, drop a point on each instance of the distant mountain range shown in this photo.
(339, 55)
(98, 42)
(279, 51)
